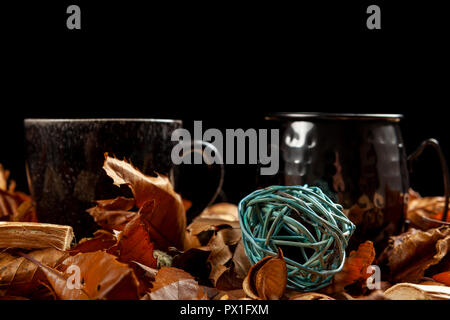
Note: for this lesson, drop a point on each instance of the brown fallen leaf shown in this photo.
(101, 277)
(214, 218)
(426, 213)
(145, 275)
(410, 254)
(219, 256)
(14, 206)
(232, 274)
(4, 177)
(113, 214)
(221, 211)
(354, 269)
(175, 284)
(267, 278)
(135, 243)
(102, 240)
(19, 276)
(443, 277)
(241, 263)
(167, 220)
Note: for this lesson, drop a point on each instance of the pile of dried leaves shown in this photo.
(144, 250)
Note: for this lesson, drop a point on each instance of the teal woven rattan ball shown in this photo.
(312, 231)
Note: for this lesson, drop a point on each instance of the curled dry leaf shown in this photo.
(167, 220)
(102, 240)
(145, 276)
(236, 270)
(212, 219)
(220, 255)
(410, 254)
(101, 277)
(267, 278)
(175, 284)
(221, 211)
(241, 263)
(14, 206)
(355, 268)
(422, 211)
(19, 276)
(113, 214)
(4, 176)
(135, 243)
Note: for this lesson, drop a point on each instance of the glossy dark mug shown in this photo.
(64, 160)
(358, 160)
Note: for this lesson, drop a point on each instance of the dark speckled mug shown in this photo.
(65, 159)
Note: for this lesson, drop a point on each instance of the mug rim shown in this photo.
(56, 120)
(334, 116)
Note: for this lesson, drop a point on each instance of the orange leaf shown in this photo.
(167, 220)
(113, 214)
(443, 277)
(19, 276)
(355, 268)
(102, 240)
(101, 277)
(135, 243)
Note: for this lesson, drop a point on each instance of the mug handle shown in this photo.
(195, 149)
(434, 143)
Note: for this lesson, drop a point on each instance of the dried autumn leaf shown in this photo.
(145, 275)
(102, 240)
(187, 204)
(216, 217)
(354, 269)
(221, 253)
(176, 284)
(443, 277)
(422, 211)
(19, 276)
(410, 254)
(135, 243)
(113, 214)
(14, 206)
(101, 277)
(241, 263)
(167, 220)
(228, 274)
(267, 278)
(4, 176)
(221, 211)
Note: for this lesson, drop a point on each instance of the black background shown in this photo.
(226, 63)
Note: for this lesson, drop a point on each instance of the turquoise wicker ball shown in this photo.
(312, 231)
